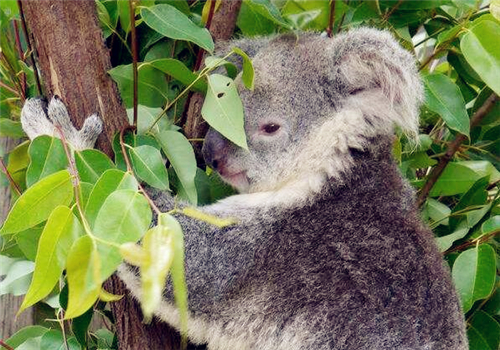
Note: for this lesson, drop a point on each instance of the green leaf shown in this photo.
(491, 225)
(27, 241)
(481, 50)
(17, 278)
(10, 128)
(60, 232)
(212, 62)
(252, 23)
(307, 14)
(223, 109)
(438, 212)
(180, 72)
(35, 205)
(124, 217)
(91, 164)
(83, 272)
(177, 273)
(172, 23)
(248, 72)
(483, 332)
(110, 181)
(149, 166)
(145, 117)
(456, 178)
(445, 98)
(268, 10)
(474, 274)
(152, 87)
(24, 334)
(55, 340)
(158, 247)
(47, 157)
(445, 242)
(181, 155)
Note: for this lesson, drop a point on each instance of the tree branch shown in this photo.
(453, 148)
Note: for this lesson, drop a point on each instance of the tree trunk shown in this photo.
(74, 61)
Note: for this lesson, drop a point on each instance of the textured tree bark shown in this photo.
(74, 61)
(9, 304)
(221, 28)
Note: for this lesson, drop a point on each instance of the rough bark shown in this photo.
(74, 61)
(221, 28)
(9, 304)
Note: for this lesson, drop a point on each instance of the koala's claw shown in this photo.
(38, 120)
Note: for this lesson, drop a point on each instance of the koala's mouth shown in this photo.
(238, 180)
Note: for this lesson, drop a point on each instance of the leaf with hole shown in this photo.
(223, 109)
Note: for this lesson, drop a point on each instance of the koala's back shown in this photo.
(354, 270)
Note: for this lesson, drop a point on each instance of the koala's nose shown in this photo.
(215, 149)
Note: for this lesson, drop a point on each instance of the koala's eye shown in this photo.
(356, 91)
(271, 128)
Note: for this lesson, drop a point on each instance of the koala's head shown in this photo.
(315, 100)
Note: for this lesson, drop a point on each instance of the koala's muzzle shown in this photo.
(215, 150)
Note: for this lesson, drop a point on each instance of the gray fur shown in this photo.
(38, 120)
(329, 251)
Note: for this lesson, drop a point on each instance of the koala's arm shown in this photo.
(39, 119)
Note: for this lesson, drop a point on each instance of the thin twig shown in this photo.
(21, 57)
(476, 241)
(341, 22)
(331, 19)
(5, 345)
(453, 148)
(30, 50)
(9, 177)
(388, 14)
(131, 7)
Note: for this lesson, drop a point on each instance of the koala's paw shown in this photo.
(39, 119)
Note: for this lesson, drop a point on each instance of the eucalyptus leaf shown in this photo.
(149, 166)
(181, 155)
(474, 274)
(83, 272)
(91, 164)
(47, 157)
(59, 234)
(223, 109)
(110, 181)
(35, 205)
(248, 71)
(172, 23)
(445, 98)
(481, 50)
(180, 72)
(124, 217)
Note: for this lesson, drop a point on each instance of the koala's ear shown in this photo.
(372, 59)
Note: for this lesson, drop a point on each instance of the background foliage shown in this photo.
(456, 43)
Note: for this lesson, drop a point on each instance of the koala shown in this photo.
(328, 250)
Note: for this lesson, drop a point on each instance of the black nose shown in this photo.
(215, 149)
